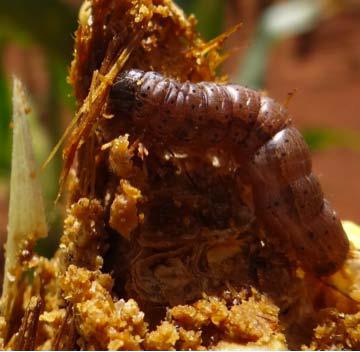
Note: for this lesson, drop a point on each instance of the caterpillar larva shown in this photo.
(287, 196)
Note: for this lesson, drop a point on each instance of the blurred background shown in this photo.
(308, 48)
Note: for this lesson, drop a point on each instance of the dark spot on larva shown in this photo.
(217, 107)
(331, 266)
(283, 154)
(334, 217)
(148, 87)
(286, 141)
(311, 235)
(194, 91)
(193, 106)
(212, 89)
(302, 248)
(215, 137)
(144, 95)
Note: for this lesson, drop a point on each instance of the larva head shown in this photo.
(123, 92)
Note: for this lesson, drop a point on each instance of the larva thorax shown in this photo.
(254, 130)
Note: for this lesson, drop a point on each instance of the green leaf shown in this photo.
(61, 89)
(325, 138)
(252, 71)
(49, 23)
(209, 13)
(5, 130)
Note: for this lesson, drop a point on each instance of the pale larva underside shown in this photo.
(287, 195)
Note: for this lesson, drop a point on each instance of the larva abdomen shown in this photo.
(287, 196)
(290, 201)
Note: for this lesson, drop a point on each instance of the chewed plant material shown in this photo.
(193, 219)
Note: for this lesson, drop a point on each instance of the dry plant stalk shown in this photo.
(27, 221)
(25, 339)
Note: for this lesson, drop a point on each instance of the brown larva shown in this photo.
(288, 197)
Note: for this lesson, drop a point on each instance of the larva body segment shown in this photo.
(287, 196)
(290, 201)
(283, 159)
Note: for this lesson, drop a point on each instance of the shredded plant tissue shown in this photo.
(145, 262)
